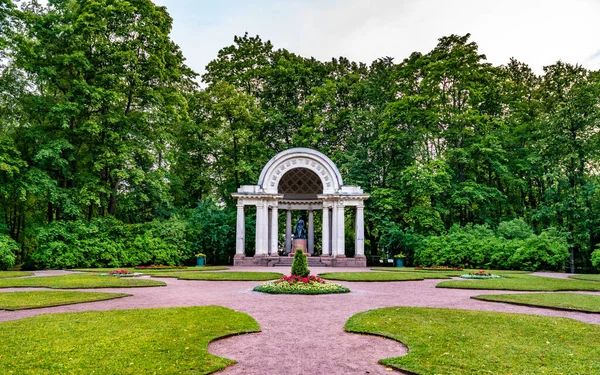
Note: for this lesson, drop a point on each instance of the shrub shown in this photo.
(211, 231)
(109, 243)
(300, 265)
(515, 229)
(512, 246)
(548, 251)
(468, 246)
(596, 258)
(8, 248)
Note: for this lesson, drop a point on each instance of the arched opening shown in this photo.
(300, 184)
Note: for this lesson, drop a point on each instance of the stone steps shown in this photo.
(287, 262)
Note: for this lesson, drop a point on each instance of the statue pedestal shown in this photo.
(299, 244)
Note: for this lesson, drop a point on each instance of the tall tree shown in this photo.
(107, 93)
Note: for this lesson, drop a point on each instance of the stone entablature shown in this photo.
(269, 196)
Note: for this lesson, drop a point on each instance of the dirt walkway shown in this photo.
(311, 325)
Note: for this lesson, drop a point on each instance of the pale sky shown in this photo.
(537, 32)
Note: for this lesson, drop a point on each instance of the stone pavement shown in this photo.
(300, 334)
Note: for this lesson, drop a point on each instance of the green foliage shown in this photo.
(515, 229)
(548, 251)
(514, 247)
(462, 342)
(160, 334)
(110, 243)
(596, 258)
(107, 242)
(211, 231)
(300, 264)
(8, 249)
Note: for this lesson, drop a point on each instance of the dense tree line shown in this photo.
(103, 129)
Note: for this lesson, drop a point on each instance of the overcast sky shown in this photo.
(537, 32)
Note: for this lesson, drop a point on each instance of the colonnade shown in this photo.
(267, 224)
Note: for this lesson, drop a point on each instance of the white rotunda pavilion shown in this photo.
(300, 179)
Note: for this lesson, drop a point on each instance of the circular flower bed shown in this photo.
(121, 273)
(480, 275)
(301, 285)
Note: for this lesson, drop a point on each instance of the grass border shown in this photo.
(414, 328)
(116, 296)
(418, 276)
(532, 305)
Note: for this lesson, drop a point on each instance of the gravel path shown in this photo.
(300, 334)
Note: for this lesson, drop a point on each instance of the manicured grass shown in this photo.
(586, 277)
(37, 299)
(457, 342)
(148, 271)
(78, 281)
(221, 276)
(562, 301)
(523, 282)
(141, 341)
(448, 272)
(7, 274)
(379, 276)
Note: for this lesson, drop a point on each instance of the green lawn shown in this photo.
(523, 282)
(448, 272)
(586, 277)
(141, 341)
(221, 276)
(7, 274)
(563, 301)
(37, 299)
(457, 342)
(148, 271)
(78, 281)
(379, 276)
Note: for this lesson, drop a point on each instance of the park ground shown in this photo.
(300, 334)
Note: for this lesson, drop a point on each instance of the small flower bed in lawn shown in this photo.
(121, 273)
(483, 274)
(301, 285)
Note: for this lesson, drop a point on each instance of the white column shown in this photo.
(311, 232)
(334, 220)
(261, 225)
(265, 233)
(340, 231)
(240, 230)
(359, 241)
(325, 234)
(288, 231)
(269, 230)
(274, 230)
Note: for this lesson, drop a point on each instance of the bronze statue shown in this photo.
(300, 230)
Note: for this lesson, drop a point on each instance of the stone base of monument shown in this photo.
(300, 244)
